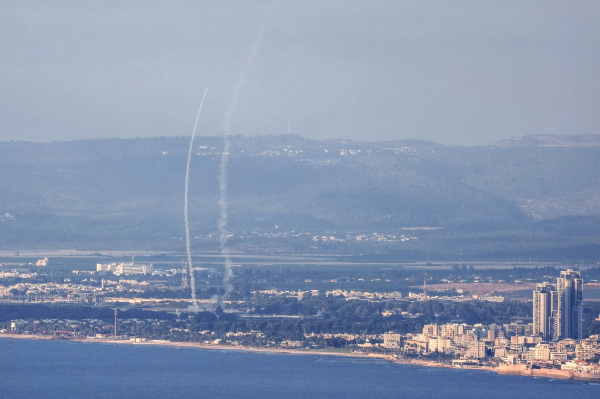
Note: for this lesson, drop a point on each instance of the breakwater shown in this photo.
(524, 370)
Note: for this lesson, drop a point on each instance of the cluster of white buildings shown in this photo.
(16, 273)
(510, 343)
(125, 268)
(553, 341)
(465, 341)
(88, 291)
(348, 294)
(378, 237)
(51, 292)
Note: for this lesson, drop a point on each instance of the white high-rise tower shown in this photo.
(542, 310)
(558, 309)
(568, 322)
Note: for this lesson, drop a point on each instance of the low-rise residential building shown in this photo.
(540, 352)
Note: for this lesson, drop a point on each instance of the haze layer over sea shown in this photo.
(53, 369)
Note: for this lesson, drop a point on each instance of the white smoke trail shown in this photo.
(194, 307)
(223, 232)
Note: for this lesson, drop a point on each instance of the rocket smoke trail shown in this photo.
(223, 233)
(194, 305)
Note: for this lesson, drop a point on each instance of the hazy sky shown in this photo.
(456, 72)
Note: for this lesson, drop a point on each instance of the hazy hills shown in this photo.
(552, 140)
(532, 198)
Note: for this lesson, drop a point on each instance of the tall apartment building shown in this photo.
(431, 329)
(542, 310)
(558, 308)
(475, 350)
(448, 330)
(568, 322)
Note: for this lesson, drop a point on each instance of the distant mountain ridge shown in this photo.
(129, 192)
(549, 140)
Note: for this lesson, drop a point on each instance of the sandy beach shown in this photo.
(250, 350)
(280, 351)
(199, 345)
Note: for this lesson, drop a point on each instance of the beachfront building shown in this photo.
(540, 352)
(391, 340)
(475, 350)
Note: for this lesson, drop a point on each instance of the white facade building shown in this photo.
(125, 268)
(391, 340)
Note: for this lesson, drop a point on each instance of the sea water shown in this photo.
(62, 369)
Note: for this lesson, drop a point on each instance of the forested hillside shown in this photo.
(501, 201)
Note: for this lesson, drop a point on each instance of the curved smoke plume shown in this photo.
(194, 306)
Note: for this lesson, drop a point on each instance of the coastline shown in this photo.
(248, 349)
(199, 345)
(519, 370)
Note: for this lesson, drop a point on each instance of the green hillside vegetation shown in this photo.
(495, 201)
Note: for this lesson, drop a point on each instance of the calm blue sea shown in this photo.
(51, 369)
